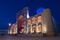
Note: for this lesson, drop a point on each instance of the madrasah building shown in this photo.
(38, 24)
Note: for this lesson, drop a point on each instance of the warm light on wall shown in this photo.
(10, 32)
(28, 22)
(39, 29)
(31, 30)
(44, 29)
(13, 29)
(39, 19)
(34, 20)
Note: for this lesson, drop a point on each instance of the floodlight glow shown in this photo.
(9, 24)
(44, 29)
(27, 14)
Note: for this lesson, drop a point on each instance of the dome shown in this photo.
(39, 10)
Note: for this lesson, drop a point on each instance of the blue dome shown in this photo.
(39, 10)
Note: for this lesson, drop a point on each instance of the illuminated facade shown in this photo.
(29, 27)
(12, 29)
(34, 24)
(37, 24)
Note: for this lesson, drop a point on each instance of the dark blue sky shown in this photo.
(9, 8)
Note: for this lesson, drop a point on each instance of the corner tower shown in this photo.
(47, 22)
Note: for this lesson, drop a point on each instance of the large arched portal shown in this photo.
(20, 24)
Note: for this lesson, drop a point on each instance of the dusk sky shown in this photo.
(9, 8)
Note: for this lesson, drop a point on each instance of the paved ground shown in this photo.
(24, 37)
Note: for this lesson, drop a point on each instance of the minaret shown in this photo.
(47, 24)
